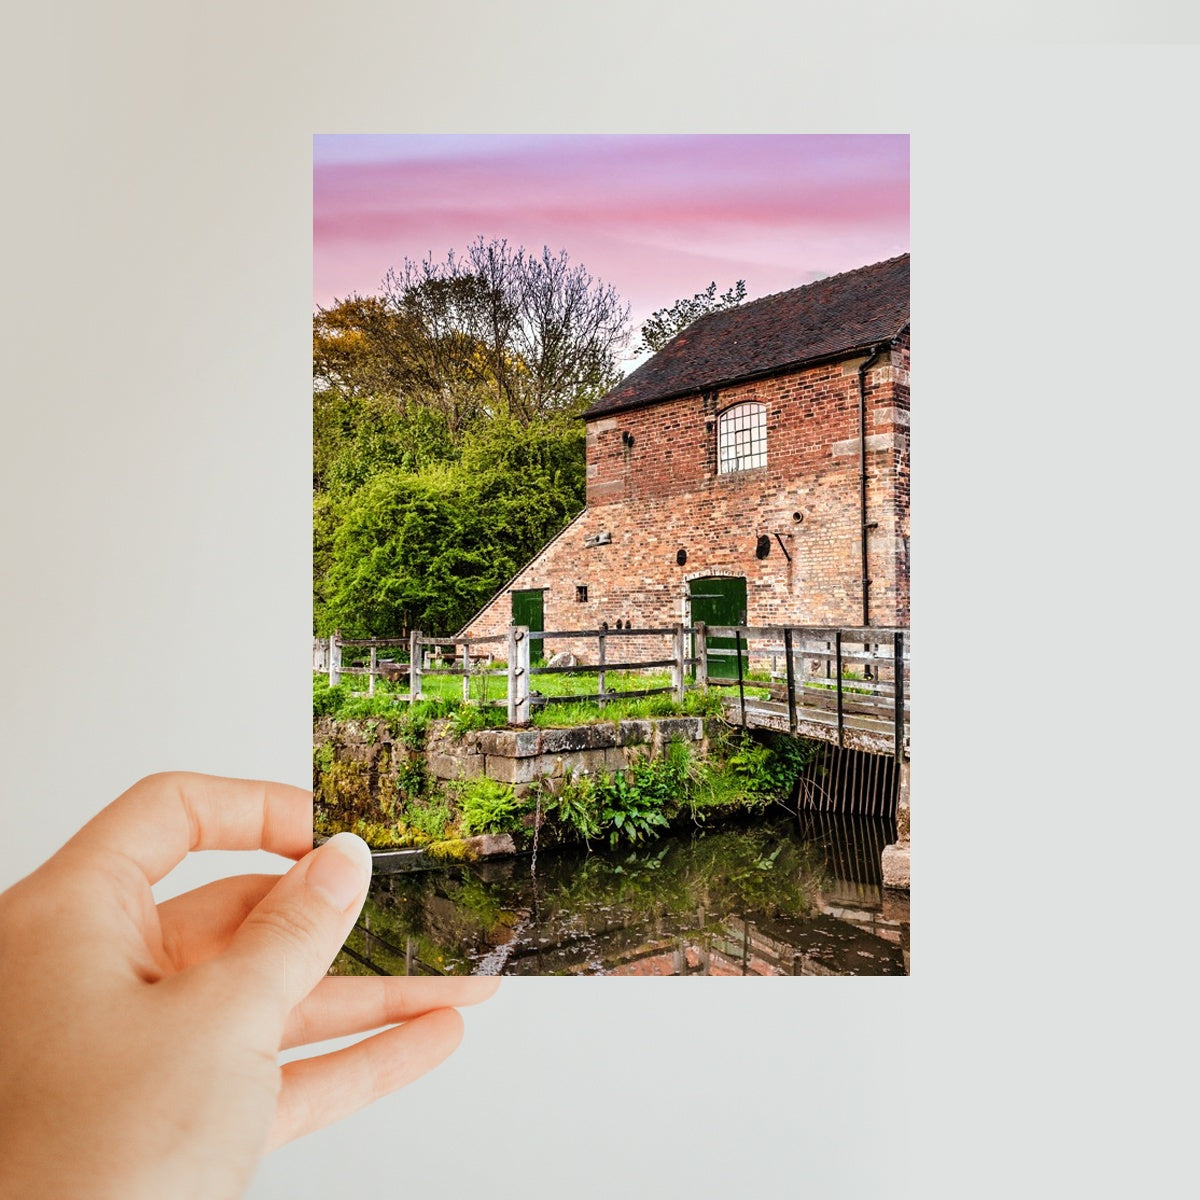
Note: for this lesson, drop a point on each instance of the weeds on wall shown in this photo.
(489, 807)
(744, 773)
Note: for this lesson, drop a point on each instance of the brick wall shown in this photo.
(657, 490)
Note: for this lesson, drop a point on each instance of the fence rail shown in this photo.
(841, 683)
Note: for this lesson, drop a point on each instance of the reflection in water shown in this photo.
(788, 897)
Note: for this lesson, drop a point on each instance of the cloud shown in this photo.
(644, 213)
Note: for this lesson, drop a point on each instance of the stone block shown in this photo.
(512, 770)
(616, 758)
(492, 845)
(895, 906)
(510, 743)
(456, 766)
(895, 866)
(589, 761)
(635, 732)
(675, 729)
(581, 737)
(488, 741)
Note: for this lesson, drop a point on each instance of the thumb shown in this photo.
(285, 945)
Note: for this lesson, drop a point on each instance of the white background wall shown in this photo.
(156, 290)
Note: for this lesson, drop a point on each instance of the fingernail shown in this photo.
(340, 869)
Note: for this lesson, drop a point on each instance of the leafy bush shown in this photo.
(631, 804)
(766, 769)
(571, 805)
(327, 701)
(490, 807)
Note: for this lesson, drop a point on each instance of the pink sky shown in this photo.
(656, 216)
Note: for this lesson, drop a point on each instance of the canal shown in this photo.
(790, 896)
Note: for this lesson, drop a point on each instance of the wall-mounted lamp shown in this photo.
(627, 439)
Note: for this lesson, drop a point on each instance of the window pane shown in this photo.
(742, 438)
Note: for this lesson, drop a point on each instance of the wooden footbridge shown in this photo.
(846, 686)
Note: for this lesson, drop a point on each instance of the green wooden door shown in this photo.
(527, 609)
(720, 600)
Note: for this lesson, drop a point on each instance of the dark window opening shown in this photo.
(581, 593)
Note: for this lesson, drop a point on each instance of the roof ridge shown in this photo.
(883, 262)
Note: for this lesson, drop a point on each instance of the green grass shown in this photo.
(444, 694)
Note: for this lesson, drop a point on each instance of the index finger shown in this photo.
(163, 817)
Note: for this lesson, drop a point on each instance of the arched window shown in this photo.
(742, 438)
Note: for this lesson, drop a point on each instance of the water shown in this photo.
(794, 896)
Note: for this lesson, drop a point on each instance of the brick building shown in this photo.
(731, 479)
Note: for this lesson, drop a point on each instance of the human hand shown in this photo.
(139, 1042)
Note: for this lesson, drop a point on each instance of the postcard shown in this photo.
(611, 653)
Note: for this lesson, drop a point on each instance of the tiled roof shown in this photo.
(838, 314)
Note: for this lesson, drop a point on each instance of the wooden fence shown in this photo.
(843, 676)
(472, 658)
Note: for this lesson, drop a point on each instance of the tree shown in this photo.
(664, 323)
(428, 548)
(361, 348)
(534, 333)
(445, 449)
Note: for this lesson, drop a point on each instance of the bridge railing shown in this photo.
(843, 674)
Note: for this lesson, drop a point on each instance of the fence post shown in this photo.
(898, 699)
(518, 675)
(524, 678)
(511, 681)
(791, 681)
(678, 668)
(466, 662)
(840, 711)
(737, 645)
(335, 659)
(414, 666)
(702, 654)
(374, 663)
(600, 683)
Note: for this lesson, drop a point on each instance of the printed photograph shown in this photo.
(611, 651)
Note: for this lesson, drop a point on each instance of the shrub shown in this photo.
(572, 806)
(490, 807)
(631, 803)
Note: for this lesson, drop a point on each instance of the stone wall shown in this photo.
(521, 757)
(361, 770)
(358, 769)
